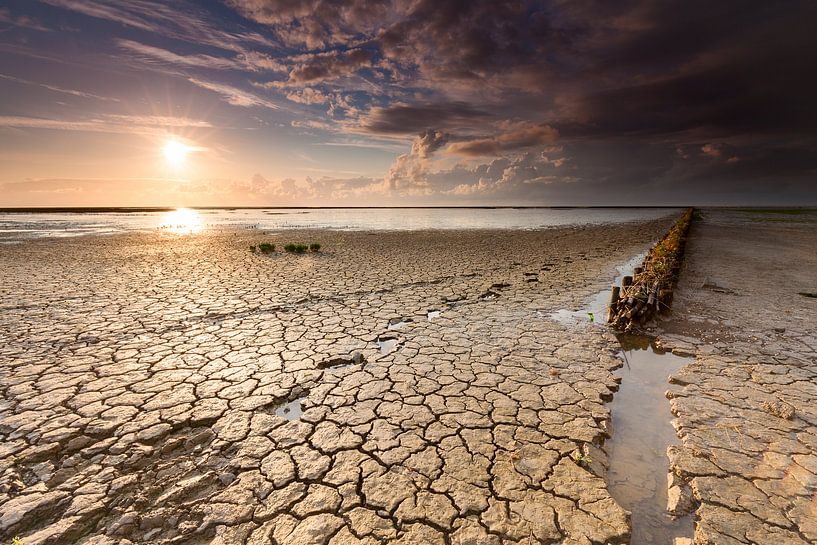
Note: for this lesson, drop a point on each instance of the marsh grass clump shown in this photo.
(314, 247)
(266, 248)
(296, 248)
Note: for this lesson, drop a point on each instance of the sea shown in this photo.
(21, 225)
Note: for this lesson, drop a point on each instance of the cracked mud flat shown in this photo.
(746, 408)
(144, 379)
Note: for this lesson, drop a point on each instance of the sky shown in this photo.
(407, 102)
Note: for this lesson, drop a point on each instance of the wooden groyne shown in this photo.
(649, 291)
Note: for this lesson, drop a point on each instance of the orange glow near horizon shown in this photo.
(182, 221)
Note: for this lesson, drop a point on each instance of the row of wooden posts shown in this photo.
(649, 291)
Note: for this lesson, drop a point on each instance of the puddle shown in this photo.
(433, 313)
(399, 323)
(641, 433)
(595, 309)
(292, 410)
(387, 344)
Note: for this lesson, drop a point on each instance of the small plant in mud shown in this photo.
(296, 248)
(17, 541)
(580, 458)
(266, 248)
(252, 248)
(314, 247)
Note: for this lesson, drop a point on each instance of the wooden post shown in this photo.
(613, 306)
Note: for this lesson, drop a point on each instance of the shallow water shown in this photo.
(641, 424)
(595, 308)
(641, 433)
(387, 345)
(400, 323)
(20, 225)
(292, 410)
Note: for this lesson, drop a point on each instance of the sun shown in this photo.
(175, 152)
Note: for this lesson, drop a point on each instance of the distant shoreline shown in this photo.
(136, 210)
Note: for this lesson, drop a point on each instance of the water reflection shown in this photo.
(642, 431)
(182, 221)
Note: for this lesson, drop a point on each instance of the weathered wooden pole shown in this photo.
(612, 308)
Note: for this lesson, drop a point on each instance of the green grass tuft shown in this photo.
(314, 247)
(296, 248)
(266, 248)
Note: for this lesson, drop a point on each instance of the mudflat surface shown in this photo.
(179, 389)
(747, 407)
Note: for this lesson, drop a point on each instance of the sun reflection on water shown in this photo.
(182, 221)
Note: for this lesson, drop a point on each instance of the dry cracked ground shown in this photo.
(746, 409)
(405, 388)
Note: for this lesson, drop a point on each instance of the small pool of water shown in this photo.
(292, 410)
(641, 433)
(399, 323)
(387, 344)
(595, 309)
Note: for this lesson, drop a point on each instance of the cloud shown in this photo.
(23, 21)
(407, 174)
(327, 66)
(246, 60)
(639, 106)
(202, 61)
(56, 89)
(188, 23)
(517, 136)
(127, 124)
(308, 96)
(408, 119)
(317, 24)
(427, 143)
(233, 95)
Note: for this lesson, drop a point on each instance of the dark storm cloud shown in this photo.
(638, 66)
(407, 119)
